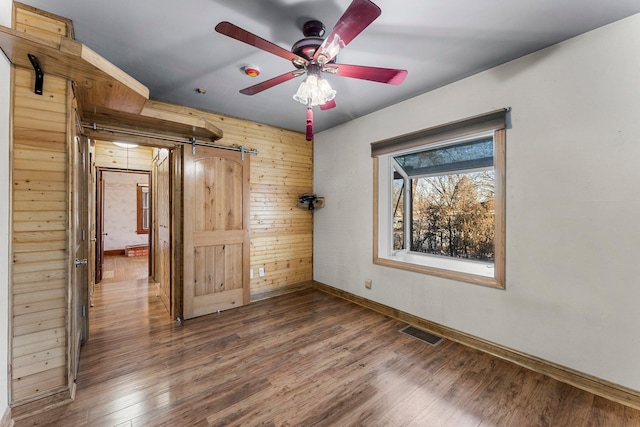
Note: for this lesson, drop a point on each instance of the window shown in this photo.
(143, 209)
(439, 206)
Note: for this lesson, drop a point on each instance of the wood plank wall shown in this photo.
(41, 24)
(109, 155)
(281, 233)
(40, 236)
(40, 224)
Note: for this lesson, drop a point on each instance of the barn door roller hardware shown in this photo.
(187, 141)
(39, 74)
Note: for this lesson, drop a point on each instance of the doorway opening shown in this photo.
(132, 204)
(124, 218)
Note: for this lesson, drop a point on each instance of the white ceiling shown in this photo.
(171, 46)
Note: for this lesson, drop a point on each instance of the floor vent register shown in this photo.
(425, 336)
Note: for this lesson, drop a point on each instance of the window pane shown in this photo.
(453, 215)
(398, 212)
(471, 155)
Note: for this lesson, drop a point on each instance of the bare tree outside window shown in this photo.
(453, 215)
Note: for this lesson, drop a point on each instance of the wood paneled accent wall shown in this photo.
(40, 272)
(40, 225)
(109, 155)
(281, 234)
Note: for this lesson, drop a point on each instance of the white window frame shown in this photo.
(483, 273)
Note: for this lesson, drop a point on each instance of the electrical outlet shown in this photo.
(367, 283)
(261, 272)
(251, 273)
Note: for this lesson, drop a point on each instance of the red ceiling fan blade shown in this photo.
(252, 90)
(235, 32)
(356, 18)
(381, 75)
(328, 105)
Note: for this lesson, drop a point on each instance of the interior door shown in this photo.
(162, 196)
(216, 231)
(79, 276)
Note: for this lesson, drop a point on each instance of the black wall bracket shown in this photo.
(39, 74)
(310, 201)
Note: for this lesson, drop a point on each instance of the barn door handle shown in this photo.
(78, 262)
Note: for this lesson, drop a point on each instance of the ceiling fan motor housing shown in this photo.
(313, 32)
(313, 28)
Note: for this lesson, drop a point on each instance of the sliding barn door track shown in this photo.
(424, 336)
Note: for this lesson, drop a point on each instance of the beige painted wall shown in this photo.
(572, 206)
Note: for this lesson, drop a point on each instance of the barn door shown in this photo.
(216, 231)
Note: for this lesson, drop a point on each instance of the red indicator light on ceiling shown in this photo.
(251, 70)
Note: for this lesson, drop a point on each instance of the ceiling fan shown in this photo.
(315, 56)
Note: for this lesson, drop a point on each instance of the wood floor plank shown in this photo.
(301, 359)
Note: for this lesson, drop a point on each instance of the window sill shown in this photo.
(403, 261)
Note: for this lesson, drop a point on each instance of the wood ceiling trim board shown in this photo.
(185, 129)
(150, 110)
(99, 81)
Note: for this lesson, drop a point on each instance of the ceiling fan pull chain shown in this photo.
(309, 121)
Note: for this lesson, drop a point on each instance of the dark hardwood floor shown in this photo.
(301, 359)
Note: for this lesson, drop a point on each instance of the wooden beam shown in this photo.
(151, 122)
(150, 110)
(98, 81)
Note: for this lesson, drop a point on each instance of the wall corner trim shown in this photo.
(586, 382)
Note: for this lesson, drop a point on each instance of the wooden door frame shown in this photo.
(176, 184)
(78, 241)
(99, 257)
(100, 207)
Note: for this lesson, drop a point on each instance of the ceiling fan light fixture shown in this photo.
(314, 91)
(314, 55)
